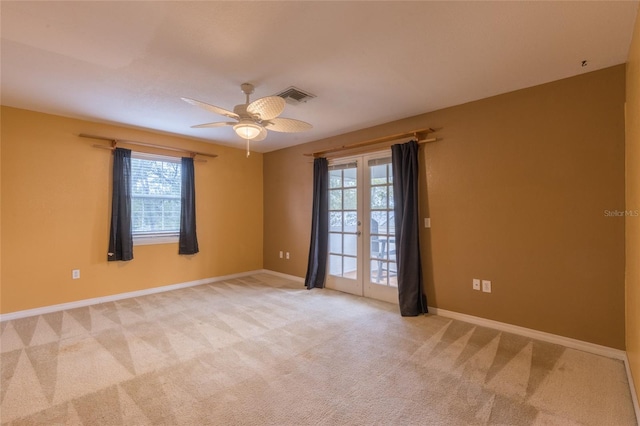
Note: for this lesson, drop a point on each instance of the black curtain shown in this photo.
(318, 249)
(188, 243)
(121, 237)
(404, 159)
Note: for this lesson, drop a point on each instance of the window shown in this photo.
(155, 198)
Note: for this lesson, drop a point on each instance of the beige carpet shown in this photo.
(262, 350)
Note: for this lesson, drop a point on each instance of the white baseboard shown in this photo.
(286, 276)
(634, 394)
(534, 334)
(119, 296)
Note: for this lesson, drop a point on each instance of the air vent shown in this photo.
(294, 96)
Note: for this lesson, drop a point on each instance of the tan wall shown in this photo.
(56, 207)
(632, 229)
(517, 193)
(0, 208)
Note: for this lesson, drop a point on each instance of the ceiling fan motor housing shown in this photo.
(241, 111)
(247, 88)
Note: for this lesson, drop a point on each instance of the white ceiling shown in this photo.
(368, 63)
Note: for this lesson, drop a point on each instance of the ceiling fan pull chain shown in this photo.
(248, 152)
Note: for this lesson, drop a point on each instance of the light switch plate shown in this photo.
(427, 222)
(486, 286)
(476, 284)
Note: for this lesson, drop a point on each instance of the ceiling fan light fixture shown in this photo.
(247, 129)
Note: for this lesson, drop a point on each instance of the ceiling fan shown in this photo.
(253, 119)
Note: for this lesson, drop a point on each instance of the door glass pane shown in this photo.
(378, 174)
(376, 271)
(335, 221)
(335, 243)
(389, 226)
(335, 199)
(335, 265)
(393, 274)
(335, 178)
(388, 247)
(351, 244)
(379, 197)
(350, 221)
(350, 199)
(378, 222)
(350, 267)
(375, 246)
(350, 177)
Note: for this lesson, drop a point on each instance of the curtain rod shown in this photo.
(415, 133)
(145, 144)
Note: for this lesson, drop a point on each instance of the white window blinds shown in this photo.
(155, 195)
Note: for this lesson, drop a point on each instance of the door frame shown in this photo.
(362, 284)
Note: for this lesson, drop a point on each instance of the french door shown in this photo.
(362, 247)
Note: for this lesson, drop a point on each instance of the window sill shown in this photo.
(146, 240)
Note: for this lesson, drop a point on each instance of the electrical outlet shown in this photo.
(75, 274)
(486, 286)
(281, 254)
(476, 284)
(287, 255)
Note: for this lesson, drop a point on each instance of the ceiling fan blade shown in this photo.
(212, 108)
(287, 125)
(266, 108)
(261, 136)
(216, 124)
